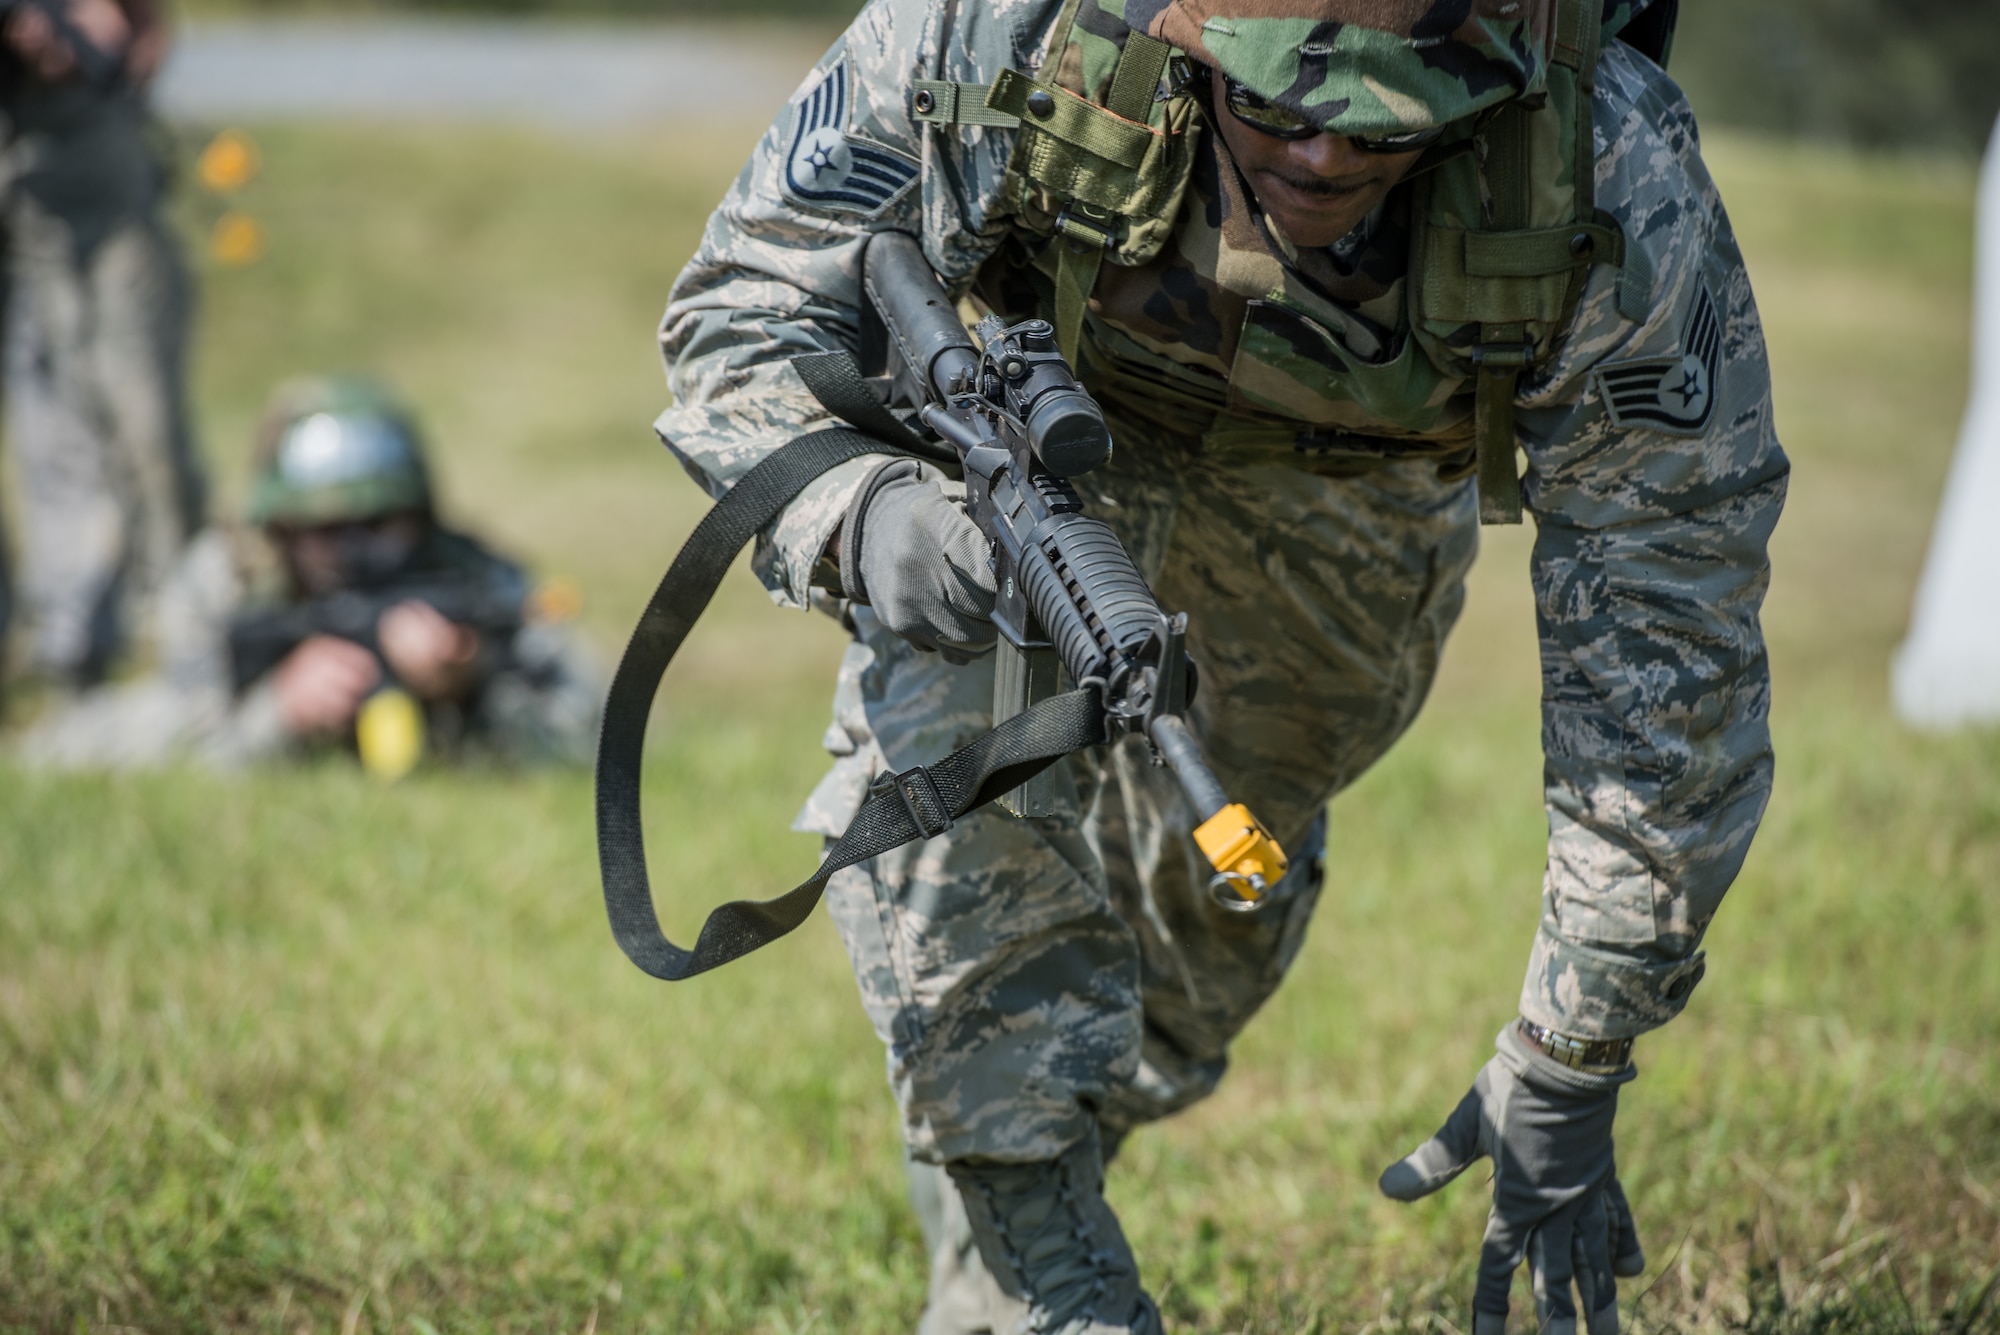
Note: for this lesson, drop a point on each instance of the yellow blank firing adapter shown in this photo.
(1247, 860)
(389, 734)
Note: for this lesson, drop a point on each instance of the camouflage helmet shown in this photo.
(337, 448)
(1364, 67)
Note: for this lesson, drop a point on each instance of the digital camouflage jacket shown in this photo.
(1653, 471)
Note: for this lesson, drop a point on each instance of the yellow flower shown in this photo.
(237, 240)
(555, 599)
(229, 163)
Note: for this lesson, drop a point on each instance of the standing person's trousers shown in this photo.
(96, 322)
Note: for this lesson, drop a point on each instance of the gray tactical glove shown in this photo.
(908, 551)
(1556, 1198)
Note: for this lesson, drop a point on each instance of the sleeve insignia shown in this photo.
(829, 168)
(1672, 394)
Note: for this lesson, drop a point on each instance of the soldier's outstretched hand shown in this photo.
(1557, 1203)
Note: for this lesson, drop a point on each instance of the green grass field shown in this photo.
(298, 1052)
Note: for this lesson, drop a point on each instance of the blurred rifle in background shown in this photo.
(259, 641)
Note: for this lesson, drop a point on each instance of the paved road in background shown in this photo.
(562, 76)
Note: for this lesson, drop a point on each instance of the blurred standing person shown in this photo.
(98, 304)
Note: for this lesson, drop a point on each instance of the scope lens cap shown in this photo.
(1067, 432)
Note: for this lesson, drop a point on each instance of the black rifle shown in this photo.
(259, 641)
(1069, 598)
(1069, 593)
(94, 65)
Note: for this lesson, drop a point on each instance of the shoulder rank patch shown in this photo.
(1673, 394)
(831, 169)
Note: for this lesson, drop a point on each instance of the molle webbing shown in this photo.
(1517, 281)
(1105, 166)
(1004, 102)
(1086, 232)
(1070, 121)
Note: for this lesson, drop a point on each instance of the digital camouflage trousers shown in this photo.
(97, 310)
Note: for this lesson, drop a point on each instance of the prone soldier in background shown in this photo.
(1323, 263)
(96, 324)
(353, 619)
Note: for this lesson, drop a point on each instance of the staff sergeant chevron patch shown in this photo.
(1673, 394)
(828, 168)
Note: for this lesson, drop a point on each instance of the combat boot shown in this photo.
(962, 1297)
(1053, 1247)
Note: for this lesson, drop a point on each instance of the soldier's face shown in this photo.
(1316, 190)
(326, 558)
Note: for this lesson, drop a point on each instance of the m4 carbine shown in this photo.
(259, 641)
(1069, 593)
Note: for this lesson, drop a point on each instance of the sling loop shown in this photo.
(1497, 368)
(942, 102)
(1136, 80)
(1503, 350)
(915, 804)
(1077, 265)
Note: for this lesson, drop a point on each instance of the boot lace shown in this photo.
(1054, 1240)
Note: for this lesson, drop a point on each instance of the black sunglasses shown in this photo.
(1267, 118)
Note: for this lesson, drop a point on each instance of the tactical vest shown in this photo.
(1502, 228)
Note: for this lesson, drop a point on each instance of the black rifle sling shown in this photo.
(917, 803)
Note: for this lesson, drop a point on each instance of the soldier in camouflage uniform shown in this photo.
(96, 322)
(1307, 334)
(343, 502)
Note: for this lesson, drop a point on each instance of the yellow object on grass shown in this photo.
(389, 734)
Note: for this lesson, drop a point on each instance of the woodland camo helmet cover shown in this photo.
(337, 449)
(1363, 67)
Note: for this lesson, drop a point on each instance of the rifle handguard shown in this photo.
(1022, 423)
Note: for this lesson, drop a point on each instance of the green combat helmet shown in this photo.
(337, 449)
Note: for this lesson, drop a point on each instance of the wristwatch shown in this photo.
(1605, 1056)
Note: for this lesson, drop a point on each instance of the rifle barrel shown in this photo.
(1183, 756)
(912, 304)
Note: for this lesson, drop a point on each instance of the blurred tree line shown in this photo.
(1878, 73)
(1875, 73)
